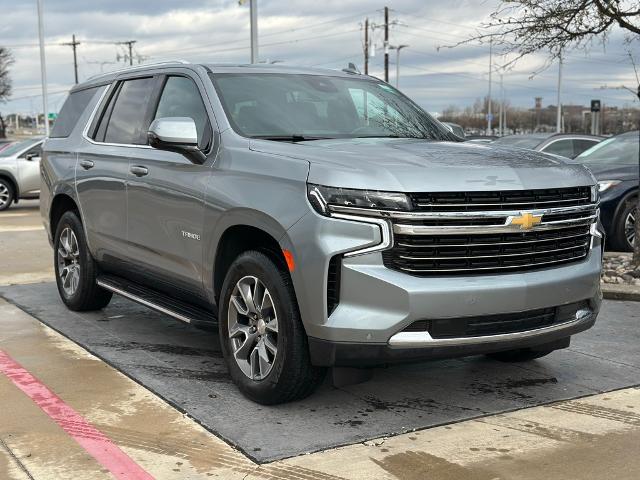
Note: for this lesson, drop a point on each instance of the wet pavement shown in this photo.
(183, 365)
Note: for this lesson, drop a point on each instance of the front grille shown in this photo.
(437, 254)
(487, 232)
(501, 200)
(497, 324)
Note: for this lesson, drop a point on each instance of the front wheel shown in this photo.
(625, 230)
(75, 268)
(263, 341)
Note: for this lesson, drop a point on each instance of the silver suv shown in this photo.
(322, 217)
(20, 171)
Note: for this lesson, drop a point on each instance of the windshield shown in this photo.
(521, 141)
(18, 147)
(620, 150)
(307, 107)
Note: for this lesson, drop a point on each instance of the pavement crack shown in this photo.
(21, 465)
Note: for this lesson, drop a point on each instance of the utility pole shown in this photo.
(559, 106)
(386, 44)
(129, 43)
(489, 114)
(366, 46)
(74, 44)
(43, 70)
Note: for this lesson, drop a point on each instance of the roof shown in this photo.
(216, 68)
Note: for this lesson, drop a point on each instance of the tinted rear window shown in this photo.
(71, 111)
(127, 121)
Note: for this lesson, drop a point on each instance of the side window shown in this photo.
(582, 144)
(181, 98)
(560, 147)
(126, 123)
(33, 152)
(71, 111)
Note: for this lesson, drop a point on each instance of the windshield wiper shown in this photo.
(289, 138)
(390, 136)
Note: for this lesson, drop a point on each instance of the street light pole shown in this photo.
(559, 106)
(489, 114)
(397, 49)
(43, 70)
(253, 6)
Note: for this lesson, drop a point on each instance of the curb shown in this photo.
(621, 292)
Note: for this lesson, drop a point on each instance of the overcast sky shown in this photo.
(322, 33)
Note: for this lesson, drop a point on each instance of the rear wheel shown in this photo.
(75, 268)
(262, 337)
(7, 194)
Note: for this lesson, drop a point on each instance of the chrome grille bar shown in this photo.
(490, 244)
(497, 255)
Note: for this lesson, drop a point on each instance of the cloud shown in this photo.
(325, 34)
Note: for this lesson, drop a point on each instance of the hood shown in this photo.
(614, 172)
(416, 165)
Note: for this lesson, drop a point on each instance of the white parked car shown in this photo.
(20, 171)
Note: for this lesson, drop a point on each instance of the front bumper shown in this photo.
(376, 303)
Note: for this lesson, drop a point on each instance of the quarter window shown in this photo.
(71, 112)
(181, 98)
(127, 120)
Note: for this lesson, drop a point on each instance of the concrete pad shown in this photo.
(183, 365)
(26, 254)
(536, 443)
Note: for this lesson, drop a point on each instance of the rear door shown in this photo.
(116, 136)
(166, 195)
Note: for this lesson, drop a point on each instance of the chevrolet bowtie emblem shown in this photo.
(526, 221)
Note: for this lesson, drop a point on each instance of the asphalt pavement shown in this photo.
(183, 365)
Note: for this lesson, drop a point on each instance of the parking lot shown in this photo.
(177, 415)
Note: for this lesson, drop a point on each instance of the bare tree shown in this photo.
(6, 59)
(523, 27)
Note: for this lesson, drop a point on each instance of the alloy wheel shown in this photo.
(253, 328)
(69, 262)
(630, 226)
(4, 195)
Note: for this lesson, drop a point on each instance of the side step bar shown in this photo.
(158, 301)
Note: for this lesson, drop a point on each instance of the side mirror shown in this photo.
(176, 134)
(31, 156)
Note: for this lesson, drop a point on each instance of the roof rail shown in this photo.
(137, 67)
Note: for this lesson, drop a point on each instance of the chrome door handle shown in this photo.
(86, 164)
(139, 171)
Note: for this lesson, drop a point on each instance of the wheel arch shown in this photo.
(238, 238)
(60, 204)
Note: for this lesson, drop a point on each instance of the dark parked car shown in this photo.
(568, 145)
(614, 162)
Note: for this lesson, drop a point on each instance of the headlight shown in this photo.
(605, 185)
(323, 198)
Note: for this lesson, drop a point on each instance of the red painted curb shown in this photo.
(96, 443)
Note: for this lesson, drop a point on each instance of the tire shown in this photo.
(7, 194)
(286, 374)
(628, 213)
(519, 355)
(77, 288)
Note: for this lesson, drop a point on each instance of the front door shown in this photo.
(166, 197)
(29, 171)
